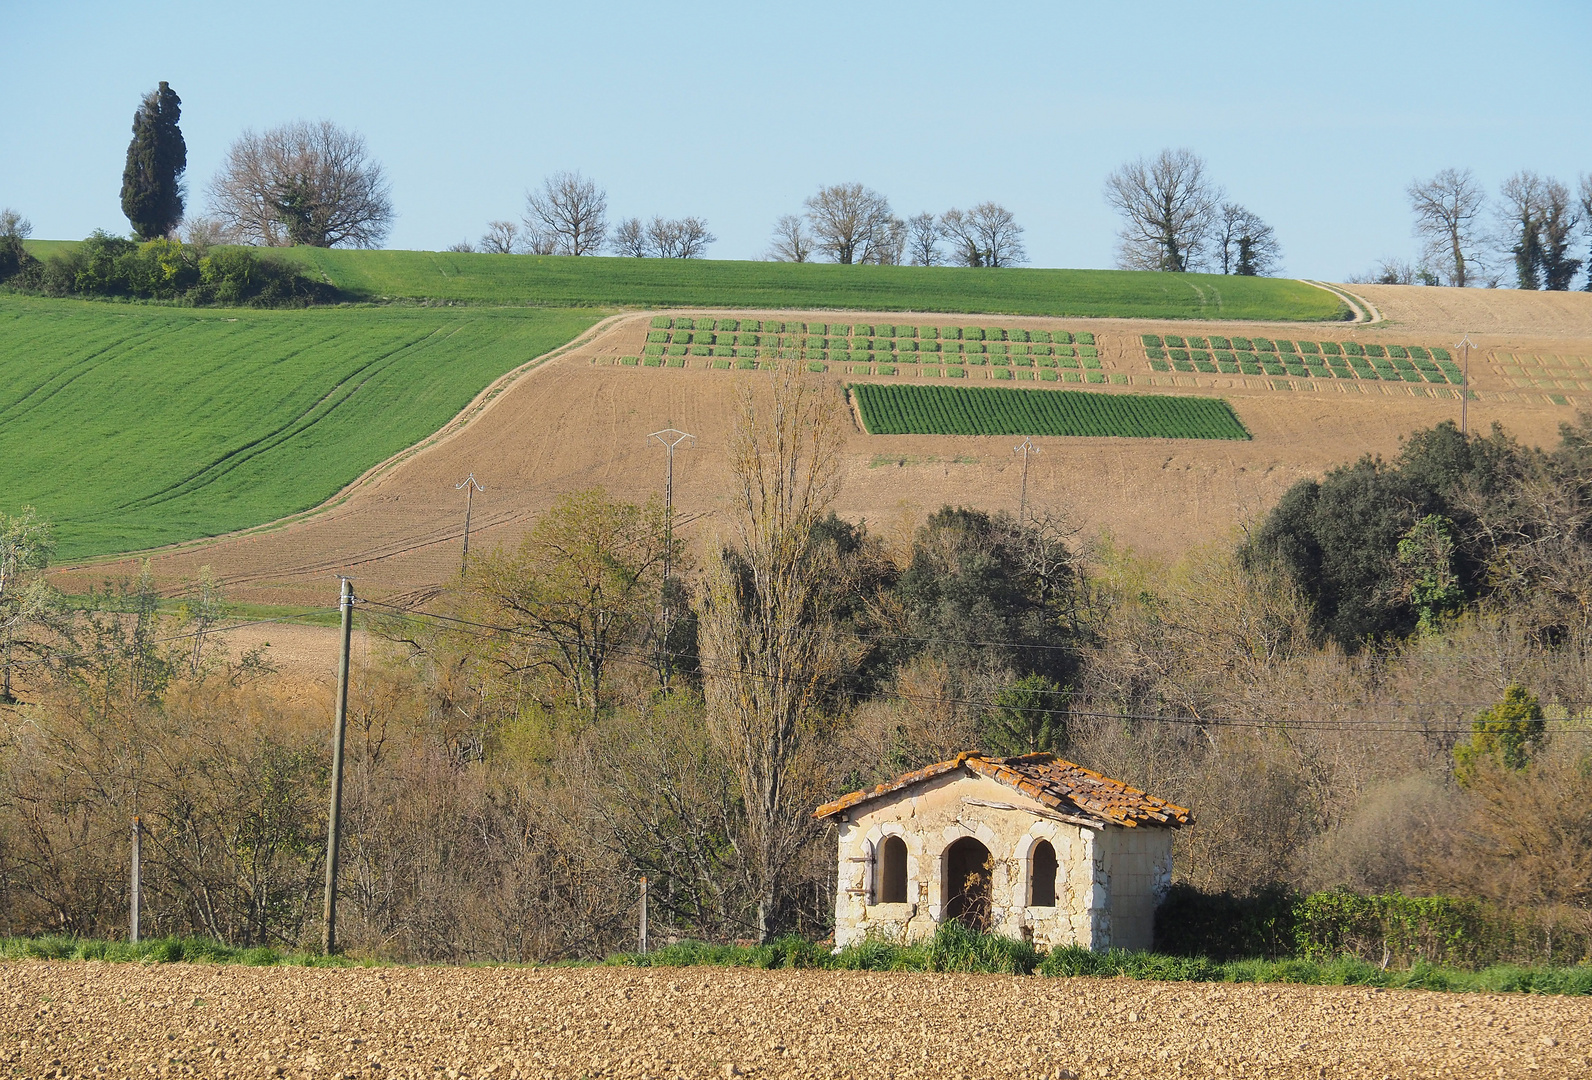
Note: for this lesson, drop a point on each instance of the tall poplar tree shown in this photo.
(156, 159)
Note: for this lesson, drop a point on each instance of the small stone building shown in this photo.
(1033, 847)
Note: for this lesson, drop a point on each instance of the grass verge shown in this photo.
(955, 949)
(952, 949)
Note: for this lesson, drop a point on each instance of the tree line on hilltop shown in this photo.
(1383, 686)
(317, 184)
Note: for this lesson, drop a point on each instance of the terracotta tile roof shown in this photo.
(1047, 779)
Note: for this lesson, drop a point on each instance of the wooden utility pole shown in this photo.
(137, 882)
(339, 728)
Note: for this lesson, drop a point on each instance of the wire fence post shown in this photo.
(642, 936)
(136, 900)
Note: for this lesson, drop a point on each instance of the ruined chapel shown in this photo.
(1033, 847)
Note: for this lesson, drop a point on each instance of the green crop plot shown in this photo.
(942, 410)
(130, 426)
(1305, 359)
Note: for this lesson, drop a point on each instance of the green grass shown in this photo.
(163, 951)
(563, 281)
(129, 426)
(941, 410)
(955, 949)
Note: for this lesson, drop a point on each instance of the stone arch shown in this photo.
(1043, 870)
(967, 879)
(873, 845)
(890, 877)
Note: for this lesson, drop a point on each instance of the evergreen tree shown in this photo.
(156, 159)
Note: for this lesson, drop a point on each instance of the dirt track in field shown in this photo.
(126, 1020)
(579, 420)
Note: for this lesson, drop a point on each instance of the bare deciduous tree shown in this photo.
(923, 239)
(791, 241)
(500, 238)
(630, 239)
(850, 223)
(1168, 208)
(1520, 226)
(678, 238)
(1247, 244)
(462, 247)
(569, 213)
(767, 649)
(986, 235)
(302, 183)
(1448, 210)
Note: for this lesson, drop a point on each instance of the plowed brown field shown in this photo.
(580, 420)
(126, 1020)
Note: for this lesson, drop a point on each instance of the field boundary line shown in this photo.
(474, 410)
(1365, 312)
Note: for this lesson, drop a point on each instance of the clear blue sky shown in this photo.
(1316, 116)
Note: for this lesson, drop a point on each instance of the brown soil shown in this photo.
(126, 1020)
(580, 420)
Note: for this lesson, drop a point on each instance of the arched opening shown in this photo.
(892, 888)
(969, 870)
(1042, 876)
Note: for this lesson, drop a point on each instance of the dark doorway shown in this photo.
(893, 871)
(968, 873)
(1042, 892)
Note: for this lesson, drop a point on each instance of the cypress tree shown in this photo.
(156, 160)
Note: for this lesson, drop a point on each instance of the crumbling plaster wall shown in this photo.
(929, 817)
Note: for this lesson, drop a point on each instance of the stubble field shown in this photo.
(125, 1020)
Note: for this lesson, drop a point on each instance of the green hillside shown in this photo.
(533, 279)
(130, 426)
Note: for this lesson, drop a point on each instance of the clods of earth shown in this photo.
(89, 1019)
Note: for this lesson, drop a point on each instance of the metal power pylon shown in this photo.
(470, 486)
